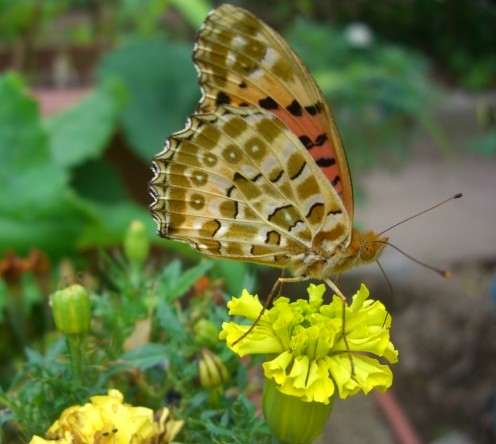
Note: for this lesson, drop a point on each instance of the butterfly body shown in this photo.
(259, 174)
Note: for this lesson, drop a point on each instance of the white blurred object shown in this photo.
(359, 35)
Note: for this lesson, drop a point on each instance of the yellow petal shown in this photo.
(276, 369)
(247, 306)
(259, 340)
(320, 387)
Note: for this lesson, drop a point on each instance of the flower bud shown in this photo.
(206, 333)
(71, 310)
(136, 242)
(290, 419)
(211, 369)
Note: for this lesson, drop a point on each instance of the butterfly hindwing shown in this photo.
(237, 184)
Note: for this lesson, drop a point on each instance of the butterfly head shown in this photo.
(365, 247)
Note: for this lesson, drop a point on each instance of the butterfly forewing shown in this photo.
(237, 184)
(243, 62)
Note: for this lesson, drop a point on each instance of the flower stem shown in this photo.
(75, 344)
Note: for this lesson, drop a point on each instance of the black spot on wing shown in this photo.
(314, 109)
(306, 141)
(320, 139)
(295, 108)
(222, 99)
(335, 181)
(268, 103)
(326, 162)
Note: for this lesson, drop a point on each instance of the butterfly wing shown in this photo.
(243, 62)
(238, 184)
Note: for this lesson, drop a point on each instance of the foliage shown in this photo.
(39, 206)
(146, 14)
(461, 38)
(103, 21)
(144, 341)
(160, 96)
(18, 17)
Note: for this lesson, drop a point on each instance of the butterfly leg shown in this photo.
(277, 287)
(338, 292)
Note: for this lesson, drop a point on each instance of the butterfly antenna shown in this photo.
(456, 196)
(391, 292)
(440, 271)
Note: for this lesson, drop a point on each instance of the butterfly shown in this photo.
(259, 174)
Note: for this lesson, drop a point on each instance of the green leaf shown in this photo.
(147, 355)
(25, 158)
(37, 208)
(174, 284)
(234, 274)
(195, 11)
(34, 357)
(169, 321)
(161, 82)
(111, 223)
(82, 132)
(98, 180)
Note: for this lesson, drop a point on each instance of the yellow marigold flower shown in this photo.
(309, 356)
(107, 420)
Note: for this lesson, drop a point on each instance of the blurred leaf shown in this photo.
(147, 355)
(143, 14)
(173, 284)
(25, 157)
(111, 223)
(161, 82)
(37, 209)
(16, 17)
(234, 274)
(55, 234)
(168, 319)
(99, 181)
(81, 133)
(195, 11)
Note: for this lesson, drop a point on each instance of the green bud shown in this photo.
(211, 370)
(290, 419)
(136, 242)
(71, 310)
(206, 333)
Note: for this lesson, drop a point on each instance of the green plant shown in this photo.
(39, 206)
(458, 37)
(147, 333)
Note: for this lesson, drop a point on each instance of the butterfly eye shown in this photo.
(368, 251)
(371, 245)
